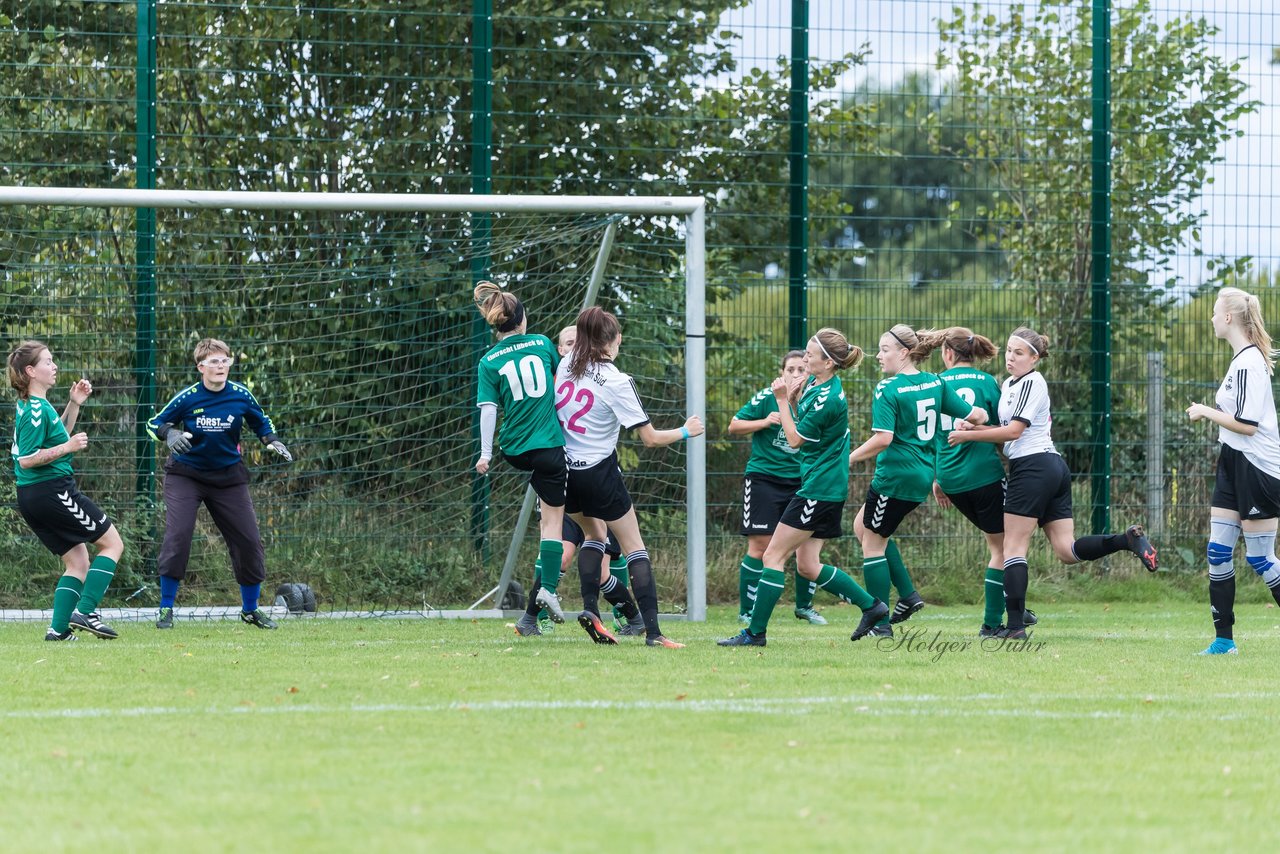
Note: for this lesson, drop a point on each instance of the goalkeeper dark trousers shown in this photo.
(226, 496)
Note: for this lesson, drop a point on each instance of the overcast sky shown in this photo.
(1243, 204)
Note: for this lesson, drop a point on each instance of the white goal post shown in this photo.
(690, 208)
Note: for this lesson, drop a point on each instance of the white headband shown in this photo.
(820, 347)
(1028, 343)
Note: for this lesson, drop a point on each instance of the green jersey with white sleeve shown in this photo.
(516, 374)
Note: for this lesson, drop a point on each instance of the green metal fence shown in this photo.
(1089, 168)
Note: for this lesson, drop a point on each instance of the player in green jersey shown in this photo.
(771, 481)
(970, 477)
(516, 374)
(61, 516)
(904, 423)
(819, 428)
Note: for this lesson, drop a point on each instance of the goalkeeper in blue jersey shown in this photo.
(201, 426)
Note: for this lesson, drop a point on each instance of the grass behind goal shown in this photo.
(442, 735)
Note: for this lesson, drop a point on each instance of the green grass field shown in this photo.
(1105, 733)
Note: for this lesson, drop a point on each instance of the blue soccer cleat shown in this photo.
(1220, 646)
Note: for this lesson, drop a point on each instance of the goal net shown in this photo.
(351, 319)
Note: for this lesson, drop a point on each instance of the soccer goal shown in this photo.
(352, 321)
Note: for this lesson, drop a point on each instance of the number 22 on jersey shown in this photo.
(567, 392)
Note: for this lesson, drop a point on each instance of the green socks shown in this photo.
(994, 597)
(804, 592)
(101, 571)
(65, 597)
(876, 572)
(618, 569)
(748, 580)
(550, 553)
(768, 592)
(898, 571)
(838, 583)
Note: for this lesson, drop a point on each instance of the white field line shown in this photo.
(920, 705)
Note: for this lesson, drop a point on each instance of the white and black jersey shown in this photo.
(593, 408)
(1026, 399)
(1245, 394)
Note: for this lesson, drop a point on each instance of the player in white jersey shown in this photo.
(1039, 483)
(594, 402)
(1246, 493)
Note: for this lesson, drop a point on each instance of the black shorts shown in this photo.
(571, 532)
(883, 514)
(1243, 487)
(764, 498)
(820, 517)
(984, 506)
(598, 491)
(548, 473)
(61, 515)
(1039, 487)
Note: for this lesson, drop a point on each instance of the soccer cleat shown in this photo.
(551, 602)
(68, 635)
(527, 626)
(906, 607)
(743, 638)
(545, 626)
(1011, 634)
(810, 615)
(164, 620)
(1136, 537)
(870, 617)
(663, 641)
(258, 618)
(744, 619)
(596, 629)
(1220, 646)
(92, 624)
(633, 628)
(880, 632)
(990, 631)
(1029, 618)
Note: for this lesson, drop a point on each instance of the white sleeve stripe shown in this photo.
(803, 436)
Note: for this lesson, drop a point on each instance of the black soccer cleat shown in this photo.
(991, 631)
(68, 635)
(1136, 537)
(906, 607)
(1011, 634)
(164, 620)
(257, 617)
(743, 638)
(870, 617)
(92, 624)
(1029, 618)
